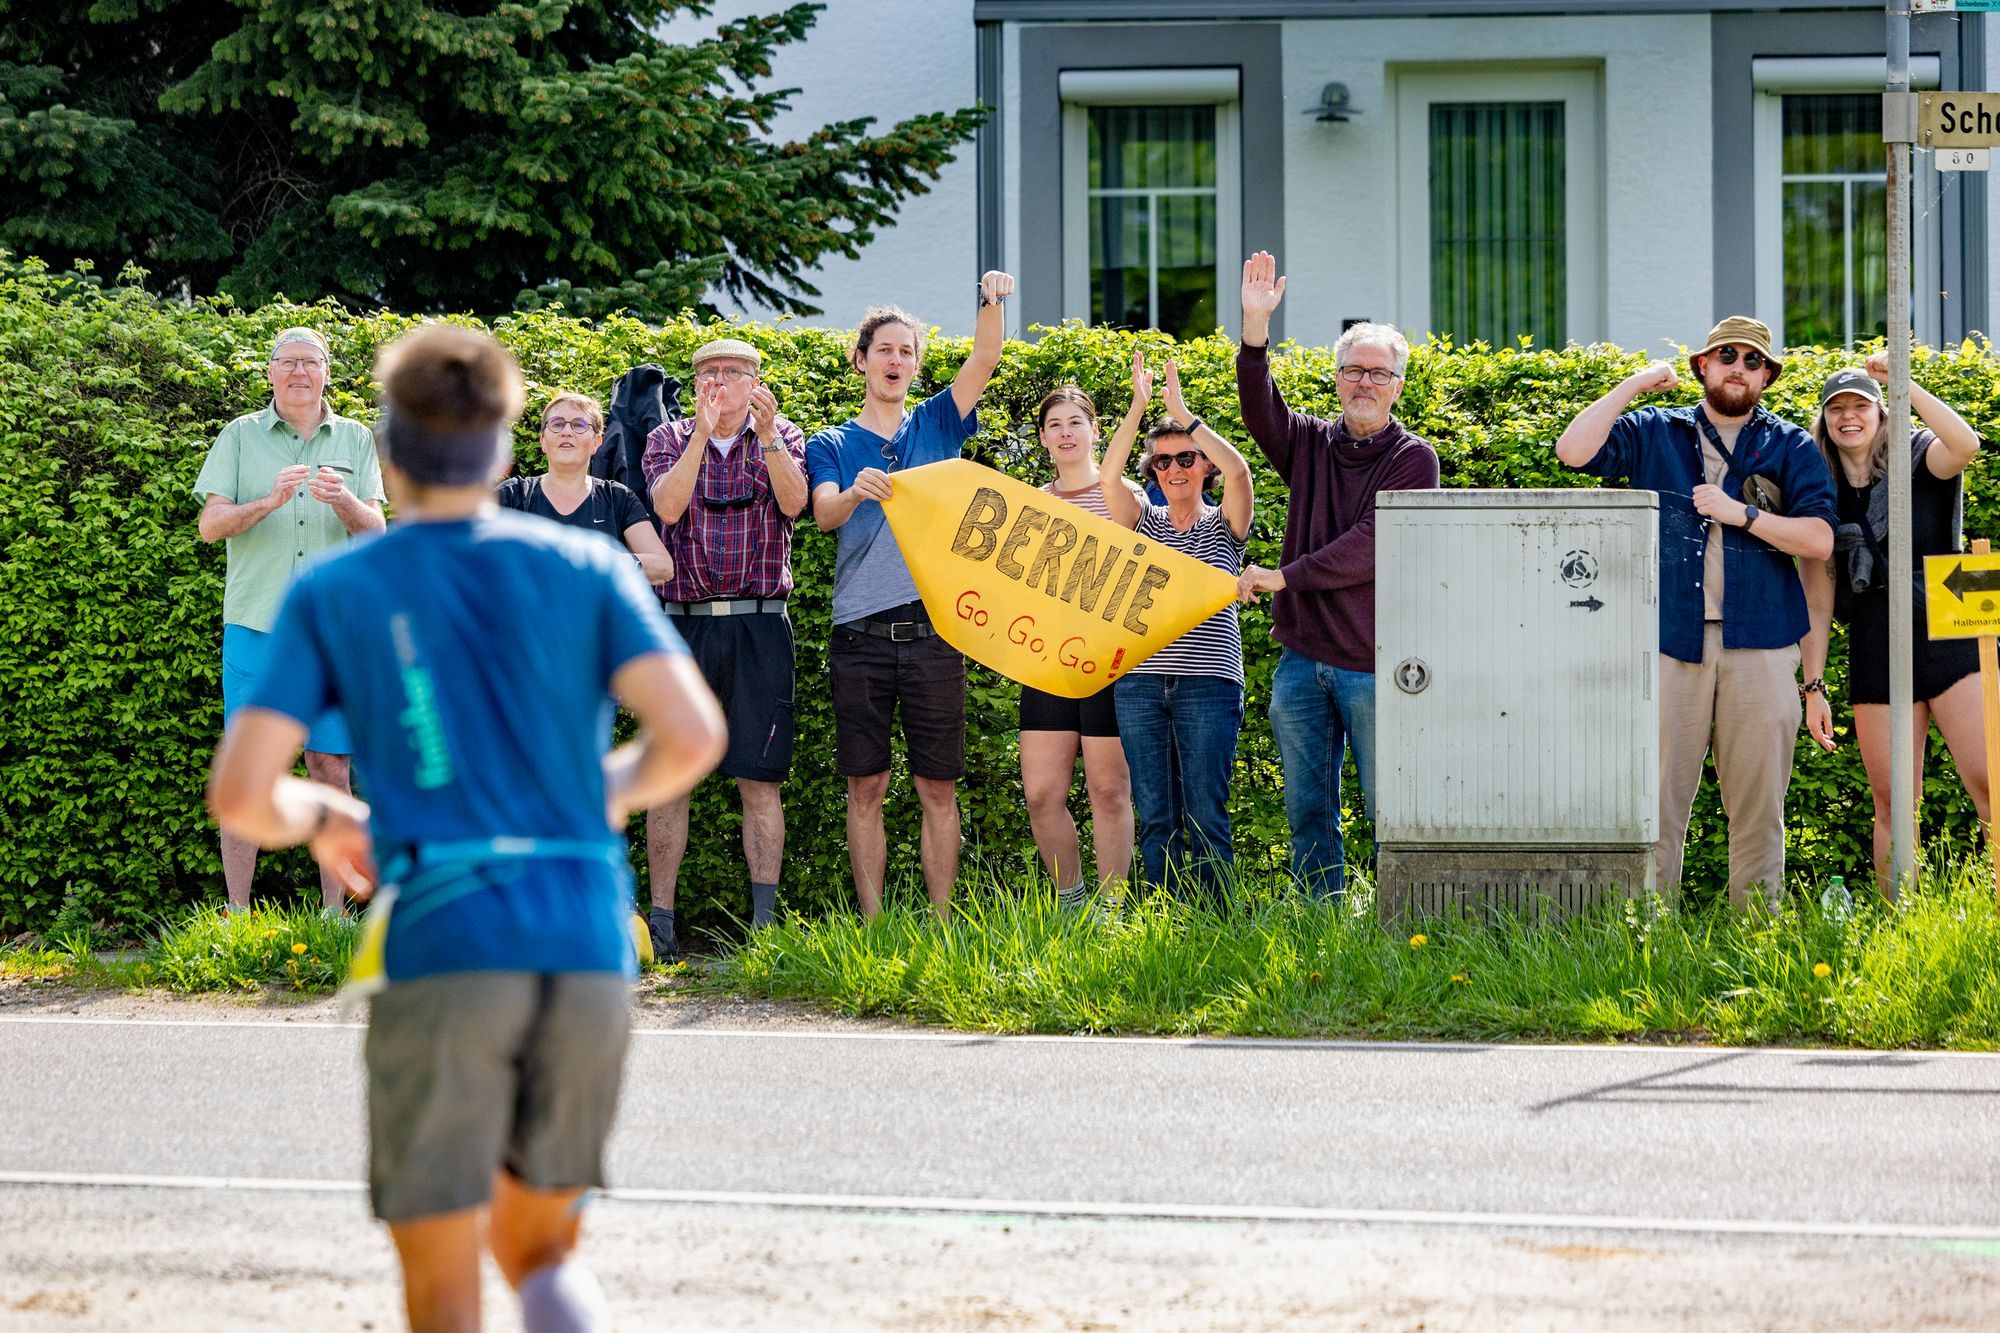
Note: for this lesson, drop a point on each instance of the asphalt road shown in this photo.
(1797, 1188)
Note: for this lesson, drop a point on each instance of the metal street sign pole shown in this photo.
(1902, 765)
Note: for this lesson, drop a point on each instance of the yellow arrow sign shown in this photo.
(1038, 589)
(1962, 595)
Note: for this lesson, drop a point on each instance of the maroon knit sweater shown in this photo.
(1327, 609)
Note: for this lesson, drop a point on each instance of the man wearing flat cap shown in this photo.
(1743, 496)
(728, 482)
(279, 486)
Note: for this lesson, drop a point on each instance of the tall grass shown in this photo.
(1924, 972)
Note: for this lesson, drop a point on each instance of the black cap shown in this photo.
(1850, 381)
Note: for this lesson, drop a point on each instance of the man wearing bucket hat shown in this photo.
(279, 486)
(728, 482)
(1743, 496)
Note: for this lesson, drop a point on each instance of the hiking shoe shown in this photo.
(660, 924)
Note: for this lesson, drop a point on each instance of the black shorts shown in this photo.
(1935, 664)
(1094, 716)
(872, 679)
(747, 661)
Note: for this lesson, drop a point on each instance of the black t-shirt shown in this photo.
(1936, 518)
(610, 508)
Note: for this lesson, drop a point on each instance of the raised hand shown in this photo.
(1877, 366)
(1142, 383)
(764, 414)
(1656, 378)
(1170, 396)
(1263, 285)
(995, 286)
(707, 409)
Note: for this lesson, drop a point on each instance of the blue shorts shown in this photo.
(244, 654)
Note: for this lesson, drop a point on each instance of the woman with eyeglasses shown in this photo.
(572, 424)
(1054, 729)
(1180, 710)
(1852, 431)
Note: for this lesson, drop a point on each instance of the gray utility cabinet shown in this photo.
(1517, 710)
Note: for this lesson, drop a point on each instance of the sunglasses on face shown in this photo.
(1185, 460)
(1752, 360)
(581, 425)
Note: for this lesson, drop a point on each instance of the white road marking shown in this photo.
(1170, 1212)
(957, 1038)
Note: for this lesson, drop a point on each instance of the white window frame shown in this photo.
(1220, 88)
(1580, 90)
(1774, 77)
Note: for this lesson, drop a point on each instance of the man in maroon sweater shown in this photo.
(1323, 604)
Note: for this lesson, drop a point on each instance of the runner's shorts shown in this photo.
(475, 1072)
(747, 661)
(244, 654)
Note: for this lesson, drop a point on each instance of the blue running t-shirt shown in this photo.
(473, 660)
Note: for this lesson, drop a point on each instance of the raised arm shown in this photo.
(1239, 492)
(1119, 502)
(1585, 436)
(988, 336)
(788, 479)
(1956, 444)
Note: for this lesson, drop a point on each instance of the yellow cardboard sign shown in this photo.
(1042, 591)
(1962, 595)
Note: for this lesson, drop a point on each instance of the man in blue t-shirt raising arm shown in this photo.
(883, 653)
(496, 1047)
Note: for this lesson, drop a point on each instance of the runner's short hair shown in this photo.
(443, 378)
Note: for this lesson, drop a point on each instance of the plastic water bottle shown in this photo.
(1836, 900)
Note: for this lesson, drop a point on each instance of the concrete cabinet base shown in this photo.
(1412, 883)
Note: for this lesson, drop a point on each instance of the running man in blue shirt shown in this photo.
(496, 1047)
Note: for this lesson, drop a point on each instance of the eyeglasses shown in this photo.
(889, 456)
(293, 364)
(727, 374)
(1752, 360)
(1374, 375)
(1185, 460)
(581, 425)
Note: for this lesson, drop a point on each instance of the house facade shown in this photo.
(1565, 170)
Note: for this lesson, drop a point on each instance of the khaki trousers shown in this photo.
(1747, 699)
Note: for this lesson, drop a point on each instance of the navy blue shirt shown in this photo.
(473, 660)
(1763, 603)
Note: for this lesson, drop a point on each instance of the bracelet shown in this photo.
(1817, 686)
(771, 449)
(1194, 424)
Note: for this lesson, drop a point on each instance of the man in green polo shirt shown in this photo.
(279, 486)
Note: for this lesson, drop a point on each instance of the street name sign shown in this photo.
(1962, 595)
(1958, 120)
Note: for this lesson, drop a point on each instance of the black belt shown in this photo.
(895, 631)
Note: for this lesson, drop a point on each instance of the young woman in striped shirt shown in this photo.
(1180, 710)
(1055, 729)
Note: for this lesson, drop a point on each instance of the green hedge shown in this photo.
(109, 602)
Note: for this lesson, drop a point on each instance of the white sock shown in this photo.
(563, 1298)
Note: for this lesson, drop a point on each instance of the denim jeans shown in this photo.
(1179, 734)
(1317, 712)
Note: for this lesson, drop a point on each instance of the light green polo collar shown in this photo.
(270, 419)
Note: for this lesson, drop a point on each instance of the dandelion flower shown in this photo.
(1459, 979)
(1822, 971)
(1315, 976)
(299, 947)
(270, 934)
(1419, 941)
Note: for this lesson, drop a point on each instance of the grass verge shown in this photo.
(1925, 972)
(293, 948)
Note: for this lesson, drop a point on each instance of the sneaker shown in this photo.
(666, 948)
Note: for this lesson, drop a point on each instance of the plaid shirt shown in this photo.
(721, 547)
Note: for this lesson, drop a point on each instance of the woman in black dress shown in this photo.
(572, 425)
(1853, 432)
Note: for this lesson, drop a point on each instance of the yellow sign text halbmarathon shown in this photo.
(1962, 595)
(1040, 590)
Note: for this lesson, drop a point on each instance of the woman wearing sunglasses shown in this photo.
(572, 424)
(1180, 710)
(1055, 729)
(1852, 432)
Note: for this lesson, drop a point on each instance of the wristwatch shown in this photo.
(984, 299)
(1751, 513)
(771, 448)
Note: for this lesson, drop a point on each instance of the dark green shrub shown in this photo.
(110, 604)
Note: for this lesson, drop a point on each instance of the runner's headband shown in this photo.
(441, 458)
